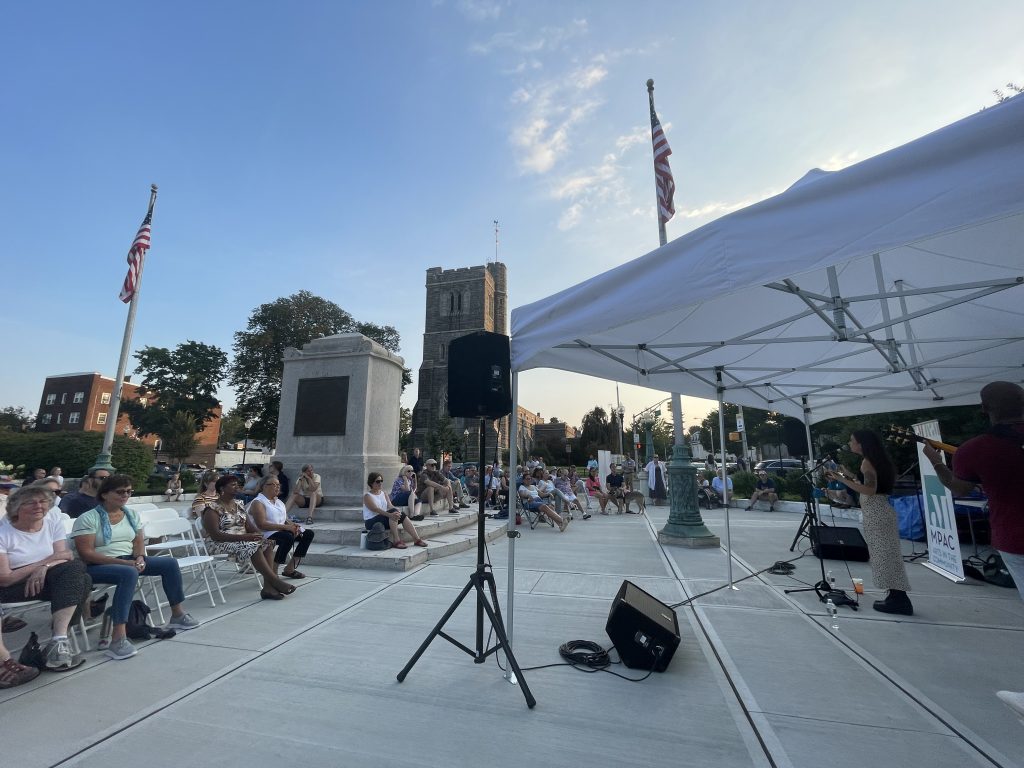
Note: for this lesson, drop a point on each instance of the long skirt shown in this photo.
(882, 533)
(658, 493)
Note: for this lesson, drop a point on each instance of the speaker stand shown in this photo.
(822, 589)
(481, 581)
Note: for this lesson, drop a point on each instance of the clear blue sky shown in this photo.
(346, 147)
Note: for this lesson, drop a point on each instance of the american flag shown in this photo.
(662, 172)
(135, 256)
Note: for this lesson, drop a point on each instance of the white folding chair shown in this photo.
(225, 562)
(179, 535)
(142, 506)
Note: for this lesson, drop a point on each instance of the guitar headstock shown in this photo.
(901, 435)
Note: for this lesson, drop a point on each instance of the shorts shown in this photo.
(534, 505)
(401, 498)
(383, 519)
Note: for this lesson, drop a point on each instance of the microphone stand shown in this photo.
(823, 589)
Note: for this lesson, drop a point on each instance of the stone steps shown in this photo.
(348, 531)
(337, 513)
(442, 541)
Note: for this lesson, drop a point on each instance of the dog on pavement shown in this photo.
(638, 498)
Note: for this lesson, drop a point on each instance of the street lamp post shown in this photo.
(245, 445)
(622, 414)
(465, 444)
(568, 450)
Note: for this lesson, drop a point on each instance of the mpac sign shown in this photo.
(943, 542)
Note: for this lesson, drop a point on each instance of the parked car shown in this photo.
(779, 466)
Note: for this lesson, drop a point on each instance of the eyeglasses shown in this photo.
(378, 480)
(124, 491)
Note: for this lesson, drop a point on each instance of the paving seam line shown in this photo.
(947, 720)
(749, 722)
(144, 714)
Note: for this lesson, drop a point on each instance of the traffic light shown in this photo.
(638, 446)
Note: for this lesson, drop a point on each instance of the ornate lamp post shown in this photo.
(685, 526)
(621, 411)
(568, 450)
(245, 445)
(465, 444)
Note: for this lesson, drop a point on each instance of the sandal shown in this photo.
(399, 545)
(420, 543)
(285, 589)
(270, 595)
(309, 521)
(293, 574)
(416, 518)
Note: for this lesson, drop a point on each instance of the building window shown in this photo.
(51, 399)
(73, 417)
(101, 418)
(63, 398)
(442, 350)
(59, 415)
(105, 398)
(79, 397)
(47, 418)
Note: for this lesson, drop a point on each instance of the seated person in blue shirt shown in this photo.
(765, 489)
(717, 484)
(615, 483)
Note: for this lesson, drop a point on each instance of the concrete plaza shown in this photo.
(760, 678)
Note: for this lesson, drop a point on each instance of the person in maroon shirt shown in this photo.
(996, 461)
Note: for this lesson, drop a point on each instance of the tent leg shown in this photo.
(726, 496)
(511, 533)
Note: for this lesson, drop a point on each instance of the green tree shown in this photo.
(595, 432)
(232, 427)
(442, 439)
(16, 419)
(179, 436)
(182, 380)
(404, 428)
(291, 321)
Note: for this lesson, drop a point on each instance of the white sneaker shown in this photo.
(182, 623)
(1014, 700)
(121, 649)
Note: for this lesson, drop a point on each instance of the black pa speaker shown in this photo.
(794, 436)
(643, 629)
(838, 543)
(480, 376)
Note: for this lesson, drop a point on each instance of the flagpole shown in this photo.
(103, 459)
(662, 236)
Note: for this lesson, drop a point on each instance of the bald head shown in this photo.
(1003, 401)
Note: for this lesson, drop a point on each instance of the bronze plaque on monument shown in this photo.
(321, 406)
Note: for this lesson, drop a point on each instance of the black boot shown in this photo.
(896, 602)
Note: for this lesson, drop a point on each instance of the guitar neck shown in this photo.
(938, 445)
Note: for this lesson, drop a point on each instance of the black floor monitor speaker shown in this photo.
(839, 543)
(480, 376)
(643, 629)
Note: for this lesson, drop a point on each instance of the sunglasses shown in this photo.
(378, 480)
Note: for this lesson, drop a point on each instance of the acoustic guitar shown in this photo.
(903, 436)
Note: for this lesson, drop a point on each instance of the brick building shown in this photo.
(459, 302)
(80, 402)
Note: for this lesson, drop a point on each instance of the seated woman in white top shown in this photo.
(267, 514)
(36, 564)
(377, 508)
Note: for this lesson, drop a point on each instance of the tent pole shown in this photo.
(725, 471)
(512, 533)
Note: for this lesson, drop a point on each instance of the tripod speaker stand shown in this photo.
(481, 581)
(809, 525)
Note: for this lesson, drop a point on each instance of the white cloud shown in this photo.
(589, 76)
(521, 96)
(546, 39)
(838, 162)
(480, 10)
(570, 217)
(638, 135)
(542, 136)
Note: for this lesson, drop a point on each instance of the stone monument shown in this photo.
(339, 412)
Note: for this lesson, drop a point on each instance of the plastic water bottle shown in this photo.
(833, 613)
(831, 579)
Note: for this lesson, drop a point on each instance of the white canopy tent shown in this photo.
(893, 284)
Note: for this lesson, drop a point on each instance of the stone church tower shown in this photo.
(459, 302)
